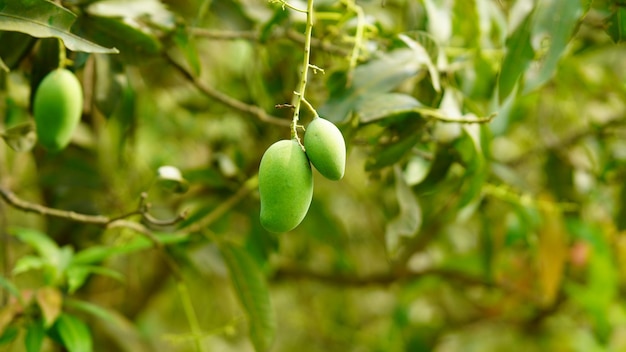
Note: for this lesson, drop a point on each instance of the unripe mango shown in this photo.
(285, 186)
(326, 148)
(57, 108)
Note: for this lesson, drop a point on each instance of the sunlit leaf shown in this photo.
(253, 294)
(74, 333)
(28, 263)
(45, 246)
(45, 19)
(170, 178)
(407, 223)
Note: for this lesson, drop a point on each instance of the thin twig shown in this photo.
(100, 220)
(225, 206)
(384, 279)
(226, 99)
(255, 36)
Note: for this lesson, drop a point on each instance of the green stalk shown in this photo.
(190, 313)
(299, 93)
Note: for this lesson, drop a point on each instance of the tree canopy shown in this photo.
(482, 208)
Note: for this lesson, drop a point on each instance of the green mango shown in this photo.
(57, 108)
(326, 148)
(285, 186)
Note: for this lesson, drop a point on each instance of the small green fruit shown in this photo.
(57, 109)
(285, 186)
(326, 148)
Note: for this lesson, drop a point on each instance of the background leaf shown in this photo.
(253, 294)
(74, 333)
(45, 19)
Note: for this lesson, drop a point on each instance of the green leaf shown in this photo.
(409, 219)
(35, 333)
(519, 54)
(78, 274)
(616, 27)
(28, 263)
(390, 154)
(556, 32)
(21, 138)
(187, 45)
(14, 46)
(45, 19)
(9, 286)
(44, 246)
(133, 40)
(470, 149)
(8, 335)
(92, 309)
(371, 79)
(74, 333)
(384, 105)
(96, 254)
(426, 51)
(253, 294)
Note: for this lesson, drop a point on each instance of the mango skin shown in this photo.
(57, 109)
(285, 186)
(326, 148)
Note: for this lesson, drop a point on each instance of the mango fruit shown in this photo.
(285, 186)
(325, 148)
(57, 108)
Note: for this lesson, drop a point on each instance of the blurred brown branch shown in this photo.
(569, 140)
(255, 36)
(107, 222)
(226, 99)
(383, 279)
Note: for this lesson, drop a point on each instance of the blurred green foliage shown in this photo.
(482, 209)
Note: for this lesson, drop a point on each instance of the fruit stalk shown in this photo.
(299, 93)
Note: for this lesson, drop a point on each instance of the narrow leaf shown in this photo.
(9, 286)
(409, 219)
(74, 333)
(557, 32)
(44, 246)
(553, 251)
(253, 294)
(376, 77)
(380, 106)
(616, 27)
(519, 54)
(35, 333)
(45, 19)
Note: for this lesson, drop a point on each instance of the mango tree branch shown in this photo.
(227, 100)
(100, 220)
